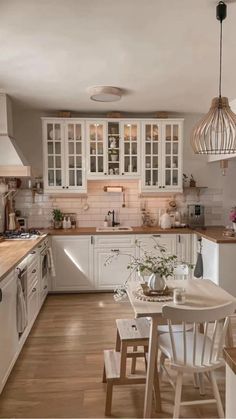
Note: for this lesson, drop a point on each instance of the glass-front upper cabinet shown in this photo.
(74, 155)
(113, 148)
(64, 156)
(162, 155)
(53, 159)
(130, 149)
(151, 155)
(172, 155)
(96, 151)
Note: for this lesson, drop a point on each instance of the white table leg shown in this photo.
(150, 368)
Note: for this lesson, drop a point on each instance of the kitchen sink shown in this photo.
(113, 229)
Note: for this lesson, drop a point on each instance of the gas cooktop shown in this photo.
(32, 234)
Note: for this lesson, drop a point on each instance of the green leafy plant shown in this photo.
(158, 261)
(57, 214)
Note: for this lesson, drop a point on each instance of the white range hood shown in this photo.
(12, 161)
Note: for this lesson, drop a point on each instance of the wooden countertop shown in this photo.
(214, 234)
(12, 252)
(230, 358)
(135, 230)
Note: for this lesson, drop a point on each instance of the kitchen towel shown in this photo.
(198, 271)
(51, 265)
(21, 309)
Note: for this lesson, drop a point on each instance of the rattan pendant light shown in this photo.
(215, 133)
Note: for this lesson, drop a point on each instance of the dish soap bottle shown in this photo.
(68, 223)
(64, 223)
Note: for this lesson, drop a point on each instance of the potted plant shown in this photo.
(232, 217)
(155, 267)
(57, 217)
(192, 182)
(113, 154)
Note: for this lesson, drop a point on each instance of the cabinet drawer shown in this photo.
(32, 277)
(32, 303)
(114, 242)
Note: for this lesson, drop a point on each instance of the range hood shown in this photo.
(12, 161)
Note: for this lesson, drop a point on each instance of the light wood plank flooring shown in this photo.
(59, 371)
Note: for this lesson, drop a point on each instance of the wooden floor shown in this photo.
(59, 371)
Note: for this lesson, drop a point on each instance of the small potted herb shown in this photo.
(192, 182)
(232, 217)
(57, 218)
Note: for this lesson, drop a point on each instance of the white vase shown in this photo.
(165, 221)
(114, 157)
(234, 226)
(156, 282)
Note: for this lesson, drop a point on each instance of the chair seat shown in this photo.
(176, 328)
(166, 347)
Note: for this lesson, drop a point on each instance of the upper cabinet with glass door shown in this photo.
(113, 148)
(64, 156)
(162, 155)
(172, 156)
(96, 148)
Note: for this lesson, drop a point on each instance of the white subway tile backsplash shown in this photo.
(39, 212)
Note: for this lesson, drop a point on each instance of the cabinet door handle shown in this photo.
(45, 287)
(91, 240)
(33, 253)
(115, 250)
(63, 187)
(39, 247)
(34, 289)
(105, 174)
(179, 238)
(0, 295)
(156, 235)
(33, 271)
(67, 187)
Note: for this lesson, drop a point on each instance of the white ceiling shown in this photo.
(163, 53)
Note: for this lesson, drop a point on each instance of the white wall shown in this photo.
(218, 199)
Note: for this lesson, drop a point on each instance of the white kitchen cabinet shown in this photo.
(219, 264)
(108, 276)
(33, 303)
(184, 247)
(113, 148)
(64, 155)
(8, 326)
(73, 258)
(149, 241)
(162, 158)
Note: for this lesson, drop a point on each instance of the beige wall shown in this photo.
(218, 199)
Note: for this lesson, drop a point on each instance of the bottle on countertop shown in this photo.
(64, 223)
(68, 223)
(106, 223)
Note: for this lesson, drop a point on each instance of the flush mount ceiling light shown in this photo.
(105, 93)
(215, 133)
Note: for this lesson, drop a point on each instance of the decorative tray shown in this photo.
(152, 293)
(144, 293)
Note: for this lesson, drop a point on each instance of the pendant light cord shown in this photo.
(220, 59)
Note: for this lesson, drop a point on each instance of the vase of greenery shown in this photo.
(154, 267)
(57, 218)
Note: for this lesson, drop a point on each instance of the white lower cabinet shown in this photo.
(73, 258)
(219, 264)
(116, 273)
(149, 241)
(8, 325)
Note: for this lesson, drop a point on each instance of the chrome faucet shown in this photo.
(114, 223)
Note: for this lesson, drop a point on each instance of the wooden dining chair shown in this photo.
(195, 352)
